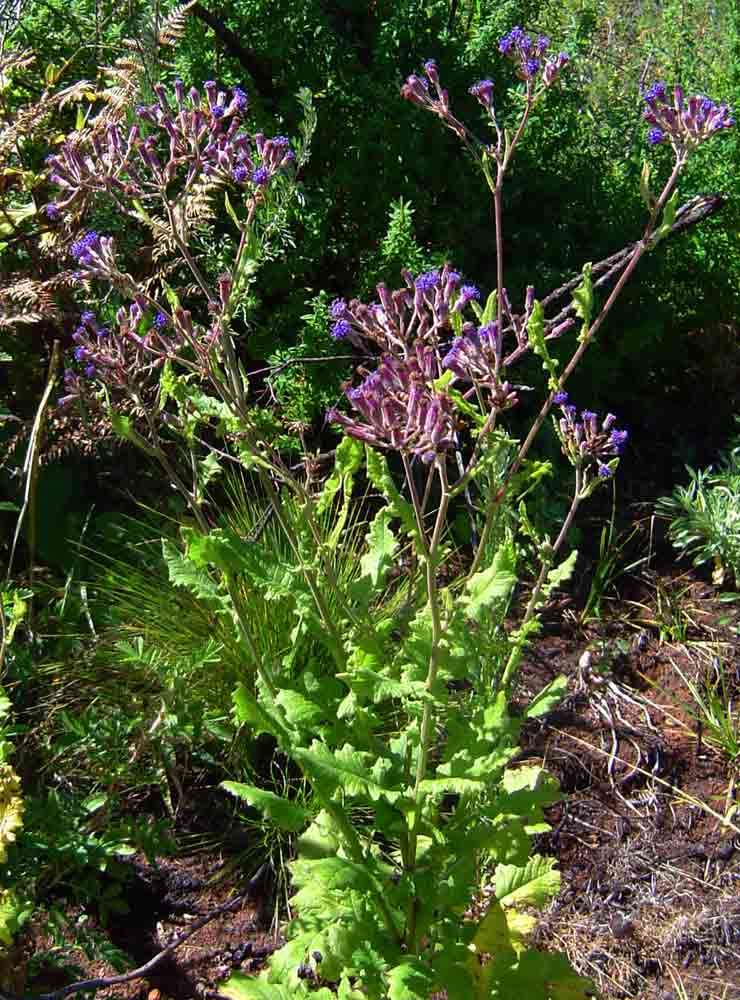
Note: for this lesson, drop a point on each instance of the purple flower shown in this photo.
(240, 98)
(656, 136)
(561, 398)
(428, 281)
(87, 317)
(489, 332)
(240, 173)
(588, 415)
(657, 92)
(340, 329)
(52, 212)
(482, 91)
(80, 353)
(604, 471)
(618, 440)
(160, 321)
(260, 176)
(80, 247)
(531, 67)
(217, 111)
(338, 308)
(90, 371)
(467, 293)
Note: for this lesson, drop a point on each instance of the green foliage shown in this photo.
(306, 388)
(386, 860)
(705, 516)
(715, 710)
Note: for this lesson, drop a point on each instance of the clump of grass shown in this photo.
(705, 516)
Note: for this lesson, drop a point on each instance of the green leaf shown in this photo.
(491, 939)
(560, 574)
(669, 217)
(382, 546)
(184, 573)
(489, 312)
(490, 585)
(231, 212)
(241, 987)
(533, 885)
(299, 711)
(412, 980)
(541, 975)
(347, 461)
(536, 334)
(347, 769)
(379, 475)
(320, 840)
(250, 713)
(225, 550)
(645, 193)
(583, 300)
(549, 697)
(285, 814)
(123, 427)
(330, 873)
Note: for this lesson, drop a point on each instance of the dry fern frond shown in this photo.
(173, 27)
(26, 300)
(13, 60)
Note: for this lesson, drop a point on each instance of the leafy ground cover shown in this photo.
(646, 834)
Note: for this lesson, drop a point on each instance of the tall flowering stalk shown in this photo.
(684, 123)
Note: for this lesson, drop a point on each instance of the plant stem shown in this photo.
(547, 561)
(640, 249)
(427, 718)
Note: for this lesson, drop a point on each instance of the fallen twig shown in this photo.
(143, 970)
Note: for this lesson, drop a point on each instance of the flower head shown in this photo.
(686, 123)
(428, 281)
(341, 329)
(260, 176)
(482, 91)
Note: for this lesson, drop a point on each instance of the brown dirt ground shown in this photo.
(647, 834)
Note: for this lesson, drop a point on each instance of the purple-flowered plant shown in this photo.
(179, 140)
(588, 444)
(436, 398)
(683, 122)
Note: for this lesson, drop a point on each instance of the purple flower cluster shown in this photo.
(178, 139)
(683, 122)
(420, 311)
(432, 98)
(138, 344)
(398, 410)
(476, 357)
(530, 56)
(96, 257)
(584, 439)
